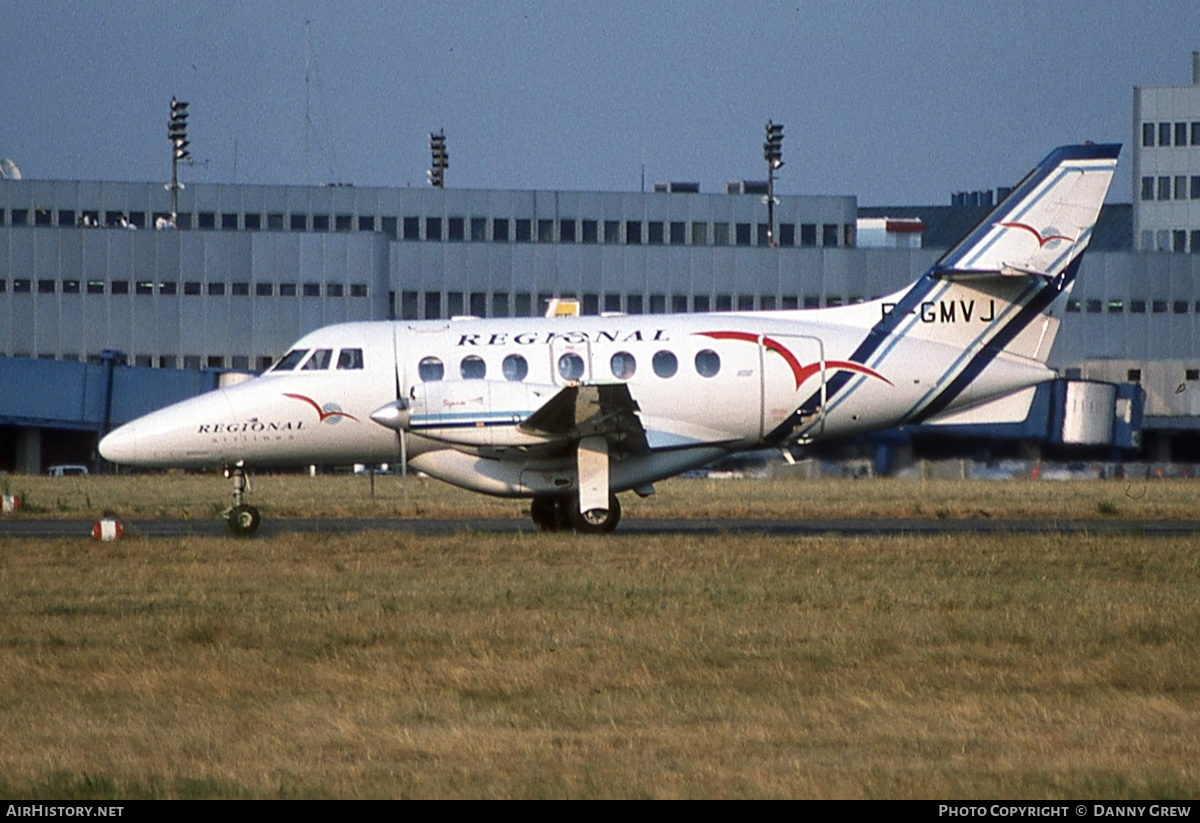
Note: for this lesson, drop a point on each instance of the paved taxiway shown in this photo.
(874, 527)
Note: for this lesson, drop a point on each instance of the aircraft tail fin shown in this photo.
(1043, 226)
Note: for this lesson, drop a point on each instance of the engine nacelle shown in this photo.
(477, 413)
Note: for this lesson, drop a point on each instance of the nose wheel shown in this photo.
(243, 520)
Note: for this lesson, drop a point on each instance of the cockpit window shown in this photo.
(431, 370)
(290, 360)
(319, 360)
(350, 359)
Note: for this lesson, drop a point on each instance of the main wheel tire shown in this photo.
(243, 521)
(596, 521)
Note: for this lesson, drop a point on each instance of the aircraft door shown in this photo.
(793, 378)
(570, 360)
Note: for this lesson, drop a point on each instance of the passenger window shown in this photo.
(472, 367)
(431, 370)
(515, 368)
(570, 366)
(707, 363)
(350, 359)
(623, 365)
(290, 360)
(319, 360)
(665, 364)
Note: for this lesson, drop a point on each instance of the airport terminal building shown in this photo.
(87, 270)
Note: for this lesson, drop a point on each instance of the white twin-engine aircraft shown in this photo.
(569, 411)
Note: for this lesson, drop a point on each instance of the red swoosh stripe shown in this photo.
(324, 415)
(799, 371)
(1042, 241)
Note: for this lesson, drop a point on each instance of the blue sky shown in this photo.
(897, 103)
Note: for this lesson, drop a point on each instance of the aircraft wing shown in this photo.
(607, 411)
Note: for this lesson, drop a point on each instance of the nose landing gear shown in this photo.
(243, 520)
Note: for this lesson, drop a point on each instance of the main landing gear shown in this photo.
(243, 519)
(556, 513)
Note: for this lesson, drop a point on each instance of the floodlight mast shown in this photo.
(441, 159)
(177, 135)
(773, 154)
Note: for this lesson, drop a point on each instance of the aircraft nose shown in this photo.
(121, 444)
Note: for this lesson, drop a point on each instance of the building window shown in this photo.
(253, 222)
(658, 304)
(612, 231)
(499, 304)
(1133, 375)
(1195, 187)
(299, 222)
(366, 222)
(1148, 135)
(700, 303)
(1181, 184)
(412, 228)
(1158, 306)
(1164, 188)
(66, 217)
(1116, 306)
(343, 222)
(206, 220)
(1137, 306)
(787, 234)
(1180, 307)
(724, 302)
(1196, 132)
(191, 288)
(1181, 134)
(500, 230)
(1179, 241)
(275, 222)
(454, 303)
(766, 302)
(410, 305)
(216, 289)
(523, 230)
(241, 289)
(1072, 307)
(742, 234)
(47, 286)
(679, 304)
(264, 289)
(22, 285)
(320, 222)
(216, 361)
(1164, 134)
(169, 288)
(590, 232)
(456, 229)
(545, 231)
(633, 304)
(70, 287)
(433, 228)
(745, 302)
(762, 239)
(358, 289)
(522, 305)
(312, 290)
(1092, 306)
(433, 305)
(1147, 188)
(389, 226)
(829, 235)
(633, 232)
(699, 234)
(95, 287)
(790, 302)
(229, 222)
(477, 303)
(678, 232)
(720, 234)
(1195, 241)
(478, 229)
(654, 233)
(808, 234)
(612, 303)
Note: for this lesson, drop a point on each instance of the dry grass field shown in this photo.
(530, 665)
(178, 495)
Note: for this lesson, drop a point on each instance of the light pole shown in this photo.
(441, 160)
(177, 134)
(773, 154)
